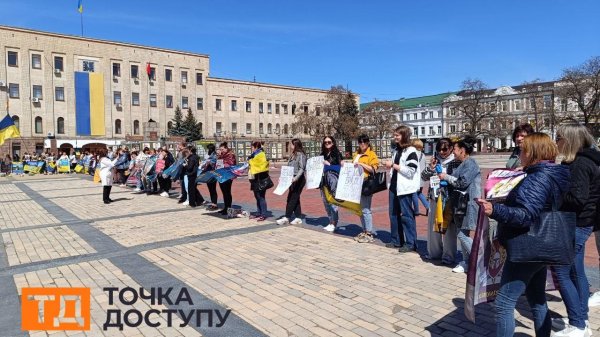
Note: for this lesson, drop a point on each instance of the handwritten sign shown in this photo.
(314, 172)
(350, 182)
(285, 180)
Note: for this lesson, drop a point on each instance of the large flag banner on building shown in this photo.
(89, 104)
(8, 129)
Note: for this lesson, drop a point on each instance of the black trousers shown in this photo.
(121, 178)
(183, 190)
(165, 183)
(194, 196)
(293, 199)
(106, 193)
(212, 189)
(226, 190)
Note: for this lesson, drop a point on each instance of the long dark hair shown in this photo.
(211, 148)
(467, 143)
(363, 139)
(297, 146)
(334, 147)
(257, 144)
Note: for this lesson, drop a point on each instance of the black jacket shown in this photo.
(191, 169)
(584, 194)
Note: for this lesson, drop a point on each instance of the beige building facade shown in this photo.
(37, 84)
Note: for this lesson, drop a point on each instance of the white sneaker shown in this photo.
(594, 300)
(164, 194)
(563, 322)
(283, 221)
(296, 221)
(329, 228)
(571, 331)
(460, 268)
(122, 185)
(186, 203)
(137, 190)
(178, 196)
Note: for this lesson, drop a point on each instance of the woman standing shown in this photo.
(418, 144)
(441, 242)
(518, 135)
(367, 159)
(298, 162)
(106, 175)
(575, 144)
(331, 156)
(404, 183)
(466, 183)
(191, 172)
(544, 185)
(210, 165)
(259, 173)
(228, 158)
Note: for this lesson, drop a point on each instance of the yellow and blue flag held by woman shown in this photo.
(8, 129)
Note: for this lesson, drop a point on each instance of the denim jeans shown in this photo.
(466, 243)
(366, 219)
(409, 225)
(516, 279)
(261, 203)
(420, 196)
(574, 288)
(396, 230)
(185, 186)
(332, 210)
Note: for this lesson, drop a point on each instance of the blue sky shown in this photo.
(379, 49)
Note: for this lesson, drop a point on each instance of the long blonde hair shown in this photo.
(575, 137)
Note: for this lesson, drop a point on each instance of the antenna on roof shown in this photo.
(254, 79)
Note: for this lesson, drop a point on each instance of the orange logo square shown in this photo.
(55, 309)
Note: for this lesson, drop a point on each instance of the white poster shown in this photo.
(314, 172)
(219, 164)
(349, 186)
(285, 180)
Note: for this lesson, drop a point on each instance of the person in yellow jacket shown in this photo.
(260, 181)
(367, 159)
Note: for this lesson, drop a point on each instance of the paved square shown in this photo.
(277, 281)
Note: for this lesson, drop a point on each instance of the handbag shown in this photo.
(550, 240)
(460, 202)
(264, 183)
(374, 183)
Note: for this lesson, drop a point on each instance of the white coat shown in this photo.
(106, 168)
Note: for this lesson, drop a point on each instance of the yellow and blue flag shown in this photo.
(89, 104)
(80, 6)
(8, 129)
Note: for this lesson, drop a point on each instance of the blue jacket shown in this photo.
(123, 161)
(545, 183)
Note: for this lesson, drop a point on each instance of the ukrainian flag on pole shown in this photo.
(8, 129)
(80, 6)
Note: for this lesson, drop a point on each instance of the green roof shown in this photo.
(409, 103)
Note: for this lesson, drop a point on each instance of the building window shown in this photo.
(306, 109)
(248, 128)
(135, 98)
(517, 105)
(439, 130)
(60, 126)
(269, 108)
(169, 101)
(504, 106)
(136, 127)
(88, 66)
(200, 103)
(218, 128)
(260, 107)
(233, 105)
(422, 130)
(431, 130)
(117, 97)
(563, 105)
(116, 69)
(199, 78)
(248, 106)
(59, 94)
(38, 125)
(184, 77)
(269, 128)
(118, 126)
(58, 63)
(285, 109)
(184, 102)
(416, 131)
(169, 125)
(277, 129)
(423, 115)
(37, 92)
(261, 128)
(168, 75)
(234, 128)
(135, 70)
(285, 129)
(218, 104)
(36, 61)
(430, 114)
(277, 108)
(293, 109)
(153, 100)
(13, 90)
(13, 59)
(17, 121)
(547, 101)
(152, 74)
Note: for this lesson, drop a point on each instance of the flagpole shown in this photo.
(81, 17)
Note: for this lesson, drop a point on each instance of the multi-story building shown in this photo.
(70, 92)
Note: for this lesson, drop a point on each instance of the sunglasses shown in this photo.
(327, 142)
(444, 149)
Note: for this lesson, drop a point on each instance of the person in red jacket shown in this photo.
(228, 157)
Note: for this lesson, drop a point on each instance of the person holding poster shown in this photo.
(260, 181)
(367, 159)
(575, 145)
(404, 183)
(544, 185)
(210, 164)
(331, 156)
(228, 158)
(106, 175)
(298, 162)
(466, 184)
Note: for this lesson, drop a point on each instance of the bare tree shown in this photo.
(581, 85)
(539, 105)
(379, 118)
(343, 109)
(312, 124)
(475, 106)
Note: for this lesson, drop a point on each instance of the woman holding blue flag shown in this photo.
(331, 157)
(226, 155)
(210, 164)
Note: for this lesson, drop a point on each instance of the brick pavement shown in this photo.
(278, 281)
